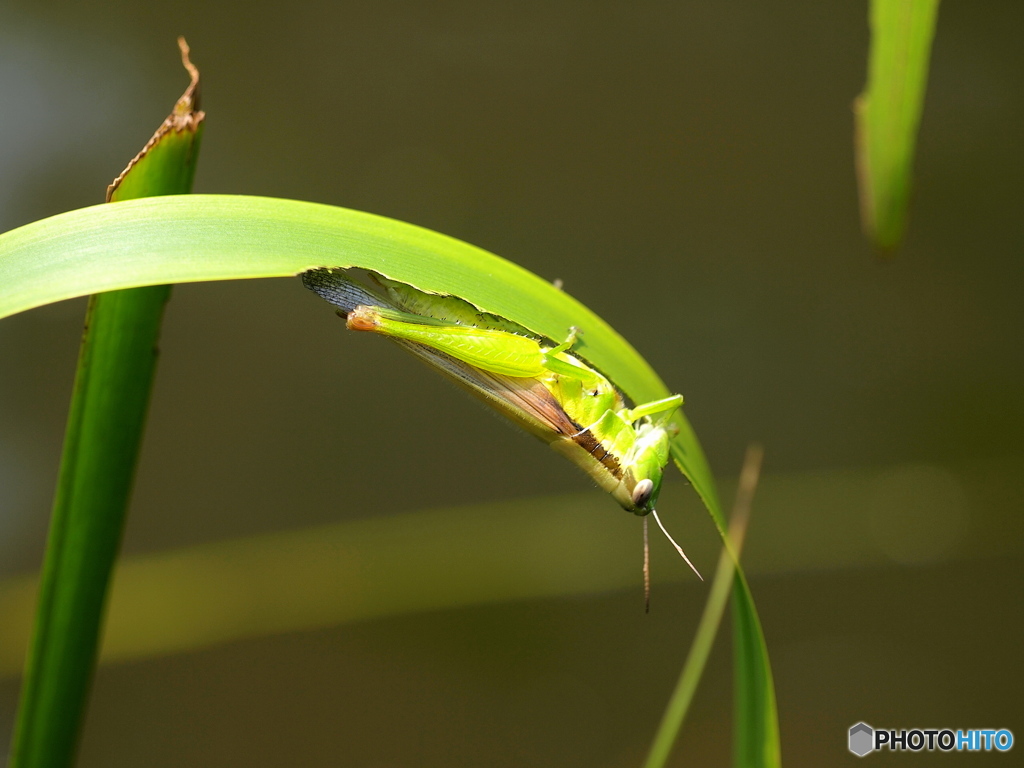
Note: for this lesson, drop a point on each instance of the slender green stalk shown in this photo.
(107, 414)
(103, 433)
(707, 629)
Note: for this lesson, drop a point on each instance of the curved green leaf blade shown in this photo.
(223, 237)
(192, 238)
(188, 238)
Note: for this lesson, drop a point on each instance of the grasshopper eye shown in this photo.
(642, 492)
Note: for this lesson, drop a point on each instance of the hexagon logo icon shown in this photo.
(862, 737)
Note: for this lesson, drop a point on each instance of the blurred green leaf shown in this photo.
(889, 111)
(105, 422)
(182, 600)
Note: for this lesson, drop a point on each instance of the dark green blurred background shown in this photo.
(687, 170)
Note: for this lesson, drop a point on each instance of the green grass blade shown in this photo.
(714, 607)
(889, 111)
(756, 726)
(105, 423)
(756, 729)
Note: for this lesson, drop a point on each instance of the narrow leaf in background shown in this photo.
(888, 114)
(104, 431)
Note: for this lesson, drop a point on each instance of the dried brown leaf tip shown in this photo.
(186, 116)
(188, 105)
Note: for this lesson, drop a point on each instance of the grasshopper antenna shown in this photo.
(647, 571)
(669, 537)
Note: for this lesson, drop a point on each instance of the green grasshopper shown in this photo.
(541, 385)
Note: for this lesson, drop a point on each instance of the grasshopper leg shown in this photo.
(566, 345)
(665, 406)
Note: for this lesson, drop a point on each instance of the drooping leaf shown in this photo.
(221, 237)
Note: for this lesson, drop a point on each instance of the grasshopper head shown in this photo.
(646, 467)
(650, 455)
